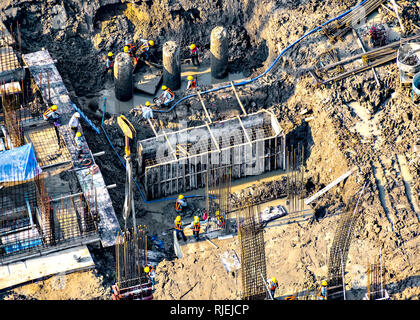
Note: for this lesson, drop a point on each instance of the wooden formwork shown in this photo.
(174, 162)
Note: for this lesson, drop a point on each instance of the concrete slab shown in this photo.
(148, 82)
(70, 260)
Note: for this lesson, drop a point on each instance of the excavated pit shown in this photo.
(317, 118)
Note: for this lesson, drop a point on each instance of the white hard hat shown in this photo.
(77, 115)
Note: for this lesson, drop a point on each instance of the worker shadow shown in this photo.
(301, 136)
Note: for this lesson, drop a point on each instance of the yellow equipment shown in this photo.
(54, 108)
(190, 78)
(78, 134)
(151, 42)
(164, 87)
(146, 269)
(180, 197)
(147, 103)
(192, 46)
(125, 49)
(110, 54)
(178, 218)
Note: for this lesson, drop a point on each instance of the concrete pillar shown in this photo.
(123, 77)
(171, 65)
(219, 52)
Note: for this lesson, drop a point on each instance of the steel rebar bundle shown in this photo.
(340, 248)
(251, 239)
(295, 178)
(375, 285)
(335, 31)
(131, 257)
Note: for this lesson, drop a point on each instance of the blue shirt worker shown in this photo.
(180, 204)
(179, 229)
(109, 62)
(150, 272)
(272, 286)
(322, 292)
(167, 95)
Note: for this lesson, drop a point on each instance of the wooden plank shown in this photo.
(212, 137)
(237, 98)
(243, 128)
(329, 186)
(36, 268)
(204, 106)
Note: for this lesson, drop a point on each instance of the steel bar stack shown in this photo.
(131, 258)
(295, 177)
(340, 248)
(375, 285)
(338, 29)
(251, 239)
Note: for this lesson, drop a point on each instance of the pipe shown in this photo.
(272, 65)
(86, 118)
(225, 87)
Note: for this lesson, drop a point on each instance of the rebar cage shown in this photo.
(174, 162)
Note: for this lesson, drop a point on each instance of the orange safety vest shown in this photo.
(170, 92)
(144, 46)
(178, 206)
(48, 112)
(196, 226)
(178, 225)
(192, 84)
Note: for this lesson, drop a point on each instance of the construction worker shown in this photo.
(74, 122)
(151, 274)
(180, 204)
(131, 50)
(220, 219)
(196, 227)
(109, 62)
(167, 95)
(178, 229)
(51, 115)
(194, 54)
(192, 83)
(78, 142)
(147, 111)
(145, 47)
(272, 286)
(322, 291)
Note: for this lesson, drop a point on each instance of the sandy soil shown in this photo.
(354, 124)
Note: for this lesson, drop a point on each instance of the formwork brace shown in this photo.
(151, 126)
(237, 97)
(204, 107)
(243, 128)
(213, 138)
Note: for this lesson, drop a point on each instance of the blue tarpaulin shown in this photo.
(19, 164)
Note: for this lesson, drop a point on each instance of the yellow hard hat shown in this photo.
(324, 283)
(78, 134)
(190, 77)
(217, 212)
(125, 49)
(196, 219)
(147, 103)
(178, 218)
(146, 269)
(151, 42)
(110, 54)
(180, 196)
(274, 279)
(164, 87)
(54, 107)
(192, 46)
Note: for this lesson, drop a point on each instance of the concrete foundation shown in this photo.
(219, 52)
(123, 77)
(171, 65)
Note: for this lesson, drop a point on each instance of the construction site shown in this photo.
(209, 150)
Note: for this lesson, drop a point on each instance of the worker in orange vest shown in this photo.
(180, 204)
(272, 286)
(192, 83)
(322, 291)
(194, 54)
(151, 274)
(220, 219)
(51, 115)
(179, 229)
(196, 227)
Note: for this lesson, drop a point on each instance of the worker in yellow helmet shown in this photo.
(180, 204)
(220, 220)
(151, 274)
(166, 97)
(192, 83)
(52, 116)
(131, 49)
(196, 227)
(272, 285)
(145, 48)
(322, 291)
(147, 111)
(194, 54)
(179, 229)
(78, 143)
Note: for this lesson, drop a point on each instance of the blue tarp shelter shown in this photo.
(19, 164)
